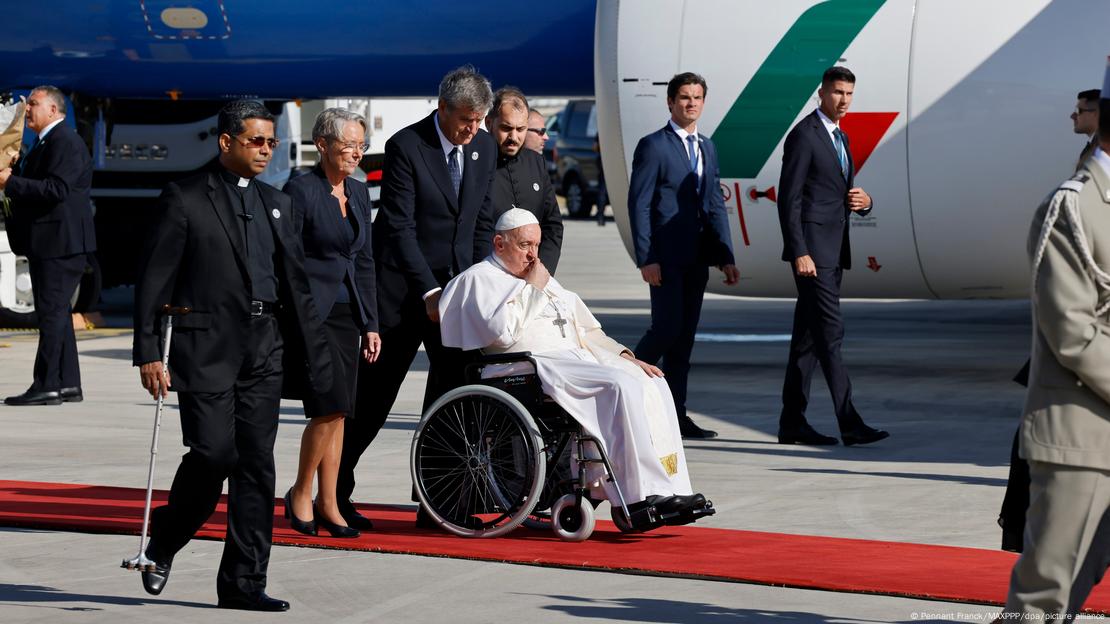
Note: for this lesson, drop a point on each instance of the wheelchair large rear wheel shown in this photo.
(478, 462)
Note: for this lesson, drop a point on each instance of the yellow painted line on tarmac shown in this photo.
(27, 335)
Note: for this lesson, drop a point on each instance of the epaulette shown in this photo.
(1076, 182)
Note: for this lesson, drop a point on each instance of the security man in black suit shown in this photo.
(816, 198)
(225, 247)
(522, 178)
(434, 222)
(51, 223)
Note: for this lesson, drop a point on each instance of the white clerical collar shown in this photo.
(1103, 160)
(243, 182)
(830, 125)
(47, 129)
(501, 265)
(681, 132)
(444, 144)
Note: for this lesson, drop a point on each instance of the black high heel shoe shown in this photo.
(336, 530)
(300, 526)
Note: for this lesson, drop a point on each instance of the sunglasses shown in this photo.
(1080, 111)
(539, 131)
(258, 141)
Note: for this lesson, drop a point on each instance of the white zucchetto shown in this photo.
(514, 218)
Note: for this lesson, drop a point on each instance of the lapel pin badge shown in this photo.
(474, 156)
(535, 186)
(276, 213)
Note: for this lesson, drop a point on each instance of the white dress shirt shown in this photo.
(1103, 159)
(682, 134)
(47, 129)
(447, 146)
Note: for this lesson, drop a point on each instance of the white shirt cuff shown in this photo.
(431, 292)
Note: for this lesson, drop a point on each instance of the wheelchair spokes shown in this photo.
(477, 462)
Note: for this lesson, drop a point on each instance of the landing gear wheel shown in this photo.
(572, 522)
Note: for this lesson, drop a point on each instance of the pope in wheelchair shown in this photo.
(558, 416)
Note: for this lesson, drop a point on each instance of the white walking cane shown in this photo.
(140, 561)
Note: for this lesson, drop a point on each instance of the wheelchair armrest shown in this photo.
(502, 358)
(473, 371)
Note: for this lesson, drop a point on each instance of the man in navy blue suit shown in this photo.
(816, 198)
(51, 223)
(435, 221)
(679, 229)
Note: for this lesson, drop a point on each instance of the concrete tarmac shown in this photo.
(934, 374)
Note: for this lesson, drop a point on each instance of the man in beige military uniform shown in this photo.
(1065, 431)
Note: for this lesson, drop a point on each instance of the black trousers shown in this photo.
(379, 383)
(817, 335)
(53, 281)
(675, 311)
(230, 435)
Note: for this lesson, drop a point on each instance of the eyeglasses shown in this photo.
(539, 131)
(353, 147)
(1080, 111)
(258, 141)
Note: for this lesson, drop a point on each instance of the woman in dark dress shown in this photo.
(331, 211)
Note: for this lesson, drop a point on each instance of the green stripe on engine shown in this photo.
(781, 87)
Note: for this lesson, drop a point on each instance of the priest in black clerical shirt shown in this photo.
(521, 179)
(224, 247)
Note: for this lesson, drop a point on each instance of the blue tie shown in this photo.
(26, 155)
(453, 169)
(840, 151)
(693, 141)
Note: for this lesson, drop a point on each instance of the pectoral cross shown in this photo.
(560, 322)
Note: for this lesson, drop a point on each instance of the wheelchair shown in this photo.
(497, 453)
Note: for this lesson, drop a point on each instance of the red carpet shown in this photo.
(834, 564)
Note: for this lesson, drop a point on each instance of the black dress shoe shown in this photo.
(35, 397)
(355, 520)
(336, 530)
(261, 602)
(682, 502)
(71, 395)
(300, 526)
(805, 435)
(863, 435)
(154, 582)
(690, 430)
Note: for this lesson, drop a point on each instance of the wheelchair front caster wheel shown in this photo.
(572, 521)
(623, 524)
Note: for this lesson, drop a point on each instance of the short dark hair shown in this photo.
(1090, 95)
(234, 113)
(836, 73)
(683, 79)
(1104, 120)
(508, 95)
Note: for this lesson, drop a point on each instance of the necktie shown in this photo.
(841, 153)
(453, 169)
(693, 149)
(27, 155)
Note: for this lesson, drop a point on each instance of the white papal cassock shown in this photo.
(580, 368)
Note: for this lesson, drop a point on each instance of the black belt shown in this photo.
(258, 308)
